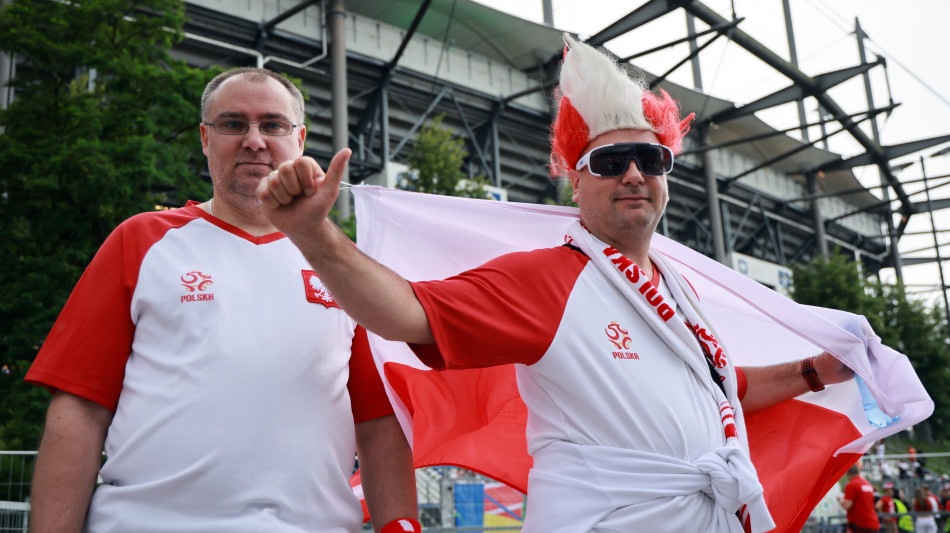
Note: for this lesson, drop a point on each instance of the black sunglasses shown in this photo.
(612, 160)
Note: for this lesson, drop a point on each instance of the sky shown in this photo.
(912, 36)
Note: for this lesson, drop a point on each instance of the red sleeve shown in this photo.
(367, 394)
(741, 384)
(86, 351)
(851, 491)
(505, 311)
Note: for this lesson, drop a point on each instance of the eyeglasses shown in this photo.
(612, 160)
(236, 126)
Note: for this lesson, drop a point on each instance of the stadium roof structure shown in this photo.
(776, 197)
(501, 37)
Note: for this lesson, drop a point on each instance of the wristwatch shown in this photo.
(810, 375)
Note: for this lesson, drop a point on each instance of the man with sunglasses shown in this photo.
(634, 414)
(229, 390)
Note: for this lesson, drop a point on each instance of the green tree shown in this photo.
(436, 164)
(913, 327)
(565, 197)
(103, 126)
(836, 283)
(909, 326)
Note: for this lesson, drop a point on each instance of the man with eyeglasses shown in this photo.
(646, 436)
(200, 350)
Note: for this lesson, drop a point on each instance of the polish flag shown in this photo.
(476, 419)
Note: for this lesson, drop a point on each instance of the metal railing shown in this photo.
(14, 517)
(16, 474)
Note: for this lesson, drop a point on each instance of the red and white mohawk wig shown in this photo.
(595, 96)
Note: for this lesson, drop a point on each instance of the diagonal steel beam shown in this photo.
(890, 152)
(795, 92)
(722, 28)
(710, 17)
(473, 139)
(776, 133)
(369, 113)
(270, 24)
(923, 207)
(445, 90)
(648, 12)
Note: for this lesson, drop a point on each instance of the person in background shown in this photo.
(885, 505)
(858, 502)
(926, 507)
(944, 516)
(229, 390)
(905, 522)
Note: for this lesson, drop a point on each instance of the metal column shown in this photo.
(819, 221)
(876, 135)
(548, 9)
(495, 154)
(694, 51)
(933, 228)
(793, 57)
(384, 132)
(712, 198)
(336, 19)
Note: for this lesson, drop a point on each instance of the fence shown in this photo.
(14, 517)
(447, 496)
(16, 473)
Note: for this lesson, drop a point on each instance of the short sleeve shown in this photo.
(89, 345)
(367, 394)
(505, 311)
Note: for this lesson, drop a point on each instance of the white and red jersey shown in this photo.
(591, 371)
(229, 368)
(593, 374)
(934, 502)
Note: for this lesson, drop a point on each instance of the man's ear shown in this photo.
(574, 178)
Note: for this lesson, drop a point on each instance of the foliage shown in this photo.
(565, 196)
(835, 283)
(909, 326)
(347, 225)
(103, 126)
(436, 164)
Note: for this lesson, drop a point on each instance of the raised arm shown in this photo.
(771, 385)
(297, 198)
(68, 463)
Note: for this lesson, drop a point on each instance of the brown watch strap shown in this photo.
(810, 375)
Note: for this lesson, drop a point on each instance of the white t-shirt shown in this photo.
(227, 365)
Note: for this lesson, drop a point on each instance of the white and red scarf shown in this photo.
(691, 338)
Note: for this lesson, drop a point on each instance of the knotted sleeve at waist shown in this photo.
(574, 488)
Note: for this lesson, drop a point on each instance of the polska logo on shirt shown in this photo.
(196, 283)
(620, 338)
(316, 291)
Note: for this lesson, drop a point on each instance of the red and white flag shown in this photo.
(476, 419)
